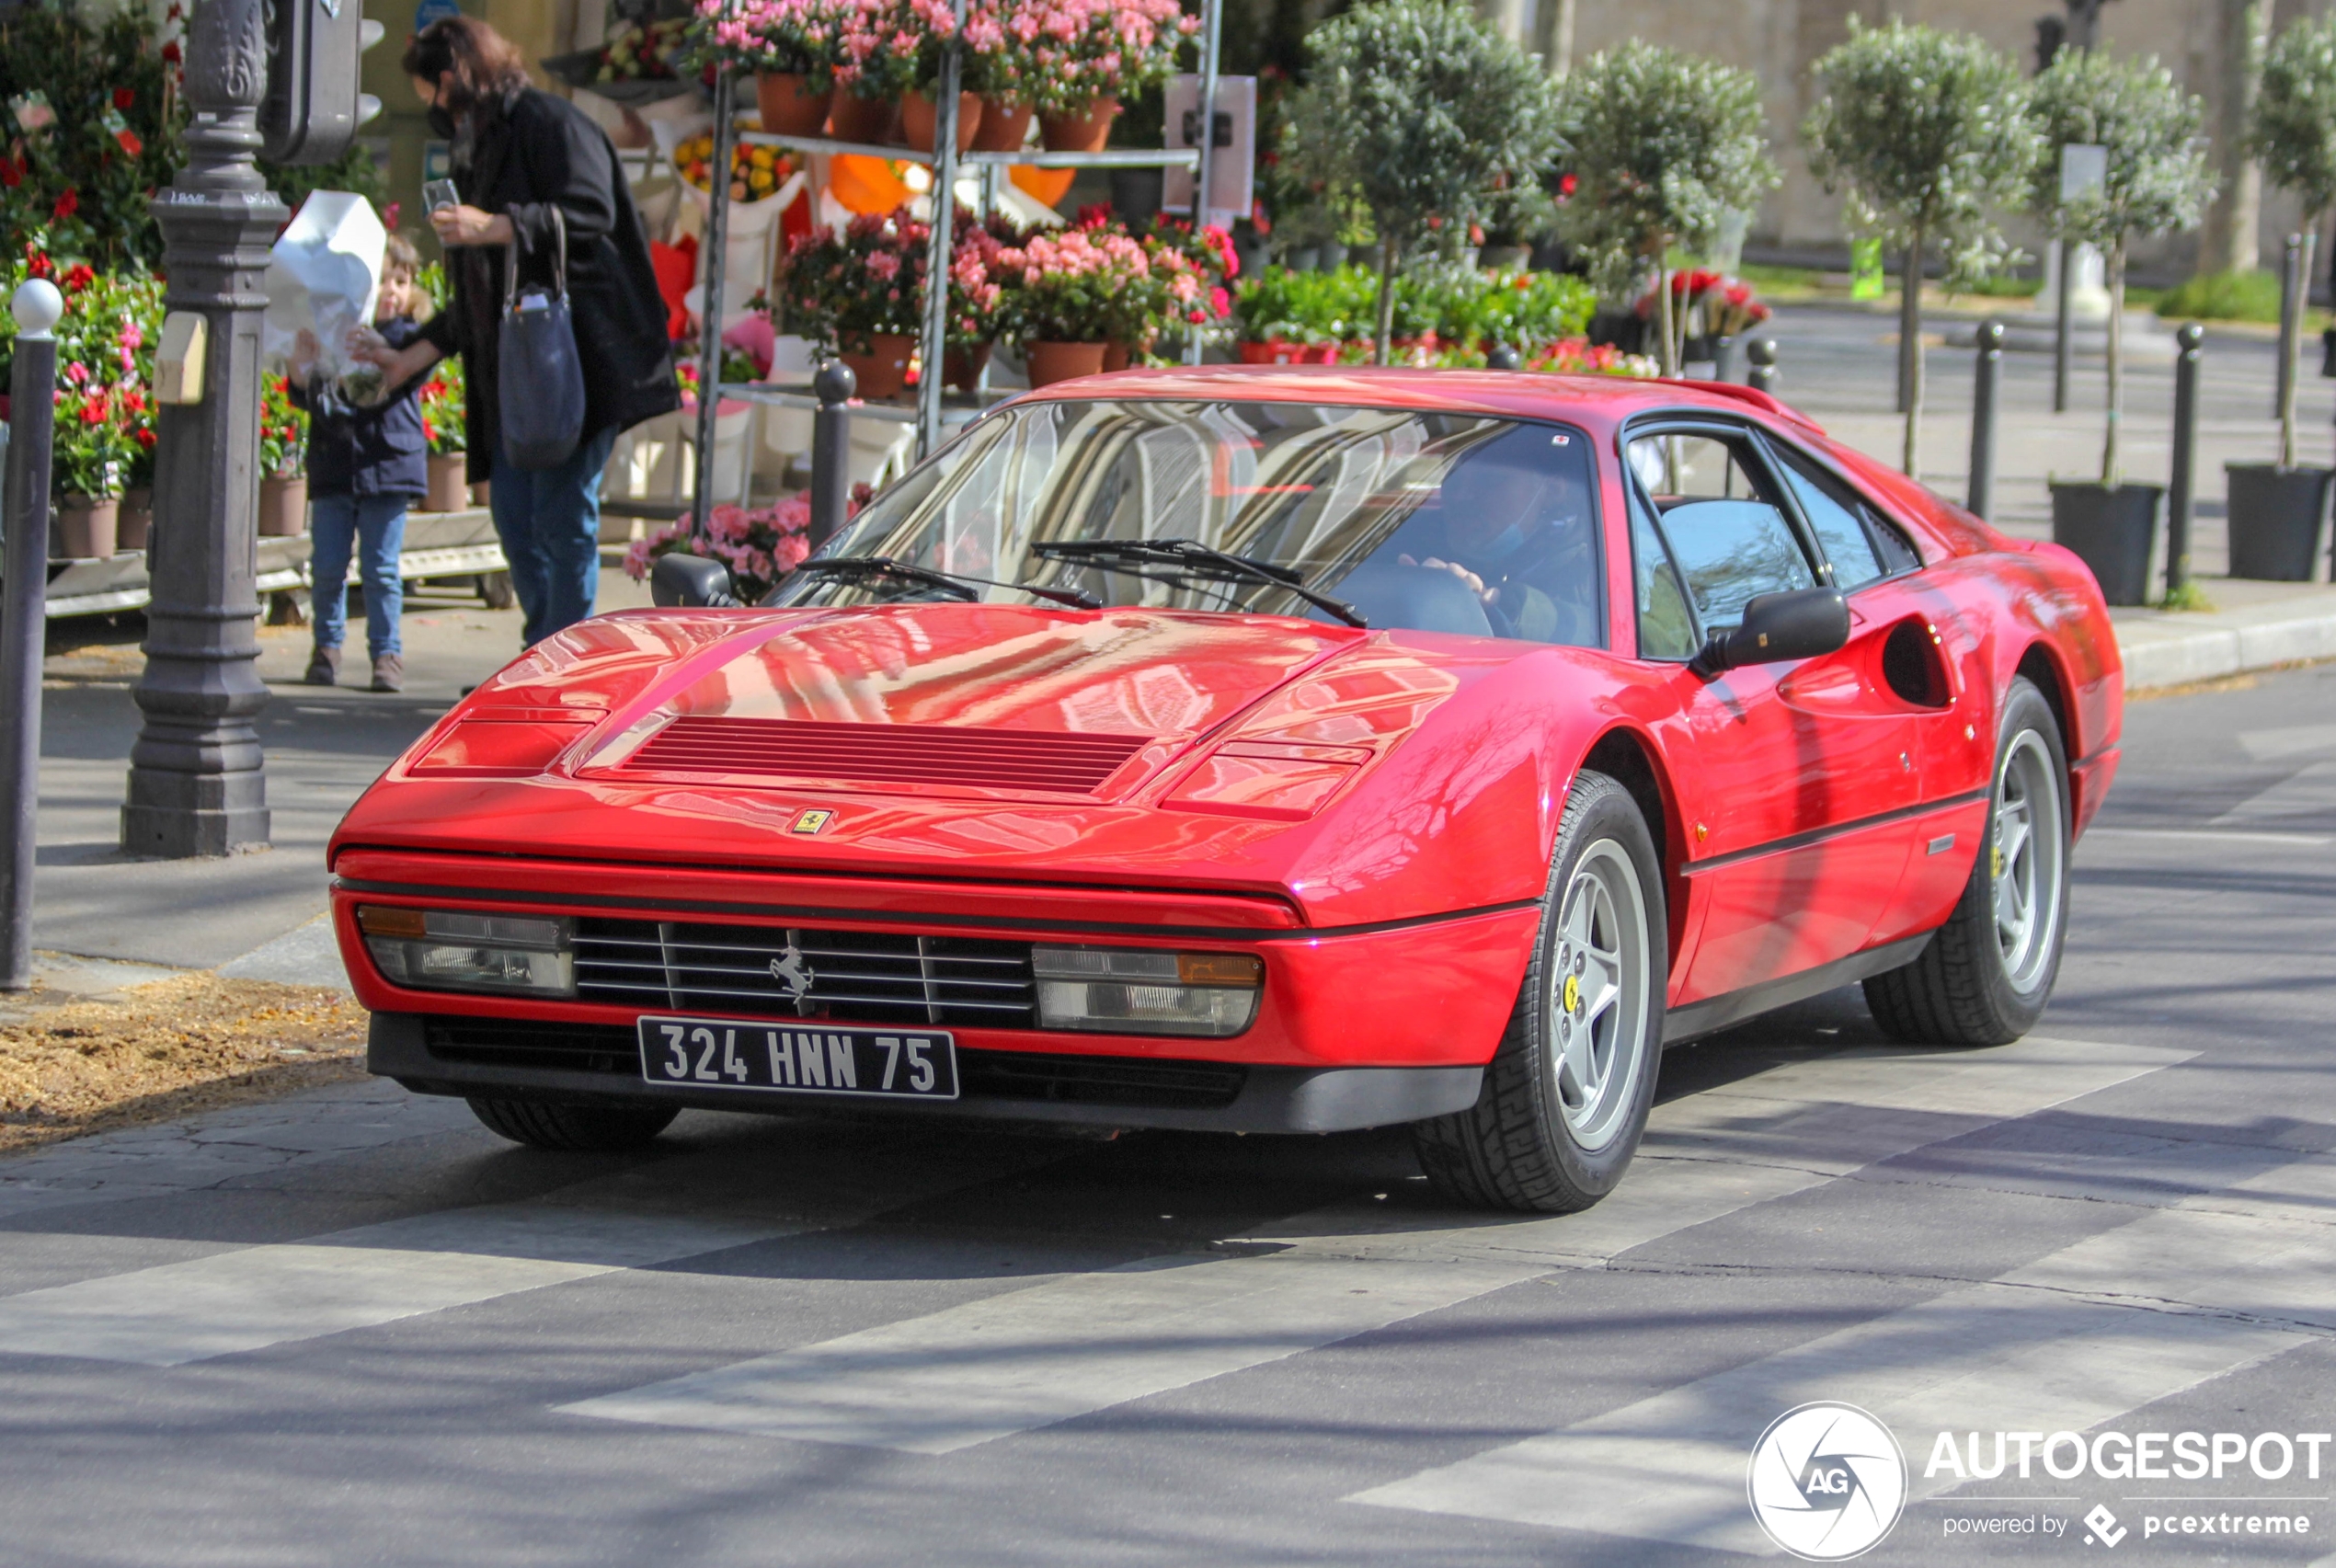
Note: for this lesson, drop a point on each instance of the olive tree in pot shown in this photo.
(2276, 508)
(1422, 114)
(1663, 146)
(2158, 181)
(1928, 134)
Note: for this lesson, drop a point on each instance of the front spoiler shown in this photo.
(1272, 1099)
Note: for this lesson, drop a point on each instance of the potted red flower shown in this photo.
(284, 462)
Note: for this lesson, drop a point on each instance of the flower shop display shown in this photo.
(443, 411)
(760, 546)
(284, 462)
(791, 46)
(1074, 61)
(1074, 295)
(756, 173)
(645, 52)
(857, 296)
(89, 127)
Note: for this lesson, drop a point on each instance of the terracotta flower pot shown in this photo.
(961, 367)
(920, 114)
(1117, 357)
(1079, 133)
(85, 526)
(283, 507)
(1003, 126)
(880, 361)
(852, 118)
(134, 523)
(1051, 362)
(449, 485)
(789, 105)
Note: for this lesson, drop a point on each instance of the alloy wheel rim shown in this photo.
(1598, 994)
(2026, 860)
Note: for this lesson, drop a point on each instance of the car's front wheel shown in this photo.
(1565, 1097)
(1987, 973)
(573, 1129)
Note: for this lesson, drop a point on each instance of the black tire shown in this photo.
(1519, 1147)
(573, 1130)
(1963, 989)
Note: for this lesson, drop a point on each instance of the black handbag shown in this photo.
(539, 381)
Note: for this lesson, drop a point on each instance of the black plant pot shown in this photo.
(1622, 329)
(2112, 530)
(1135, 195)
(2275, 516)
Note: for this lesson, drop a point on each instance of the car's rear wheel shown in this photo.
(1987, 973)
(573, 1129)
(1566, 1094)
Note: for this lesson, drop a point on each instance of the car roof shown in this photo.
(1604, 400)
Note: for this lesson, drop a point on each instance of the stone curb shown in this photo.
(2165, 649)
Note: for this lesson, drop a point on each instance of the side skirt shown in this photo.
(1713, 1013)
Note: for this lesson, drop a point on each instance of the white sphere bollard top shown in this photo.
(36, 307)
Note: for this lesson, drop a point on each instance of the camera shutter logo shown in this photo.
(1826, 1482)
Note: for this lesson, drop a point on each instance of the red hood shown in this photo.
(668, 724)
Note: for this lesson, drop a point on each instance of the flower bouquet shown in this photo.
(759, 547)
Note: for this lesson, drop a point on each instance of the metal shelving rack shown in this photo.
(933, 415)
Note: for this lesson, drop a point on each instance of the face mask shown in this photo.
(442, 124)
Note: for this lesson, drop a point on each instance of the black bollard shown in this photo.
(831, 448)
(1761, 377)
(2184, 479)
(2063, 332)
(24, 611)
(1986, 382)
(1504, 358)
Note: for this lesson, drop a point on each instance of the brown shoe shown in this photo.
(324, 667)
(389, 673)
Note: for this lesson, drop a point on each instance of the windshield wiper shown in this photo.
(957, 585)
(1195, 560)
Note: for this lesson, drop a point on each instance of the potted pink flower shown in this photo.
(1075, 60)
(760, 546)
(857, 296)
(1075, 294)
(790, 45)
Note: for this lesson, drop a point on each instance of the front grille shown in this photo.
(570, 1047)
(1100, 1081)
(1134, 1083)
(1054, 761)
(770, 971)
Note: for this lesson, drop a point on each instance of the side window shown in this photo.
(1666, 630)
(1726, 530)
(1860, 545)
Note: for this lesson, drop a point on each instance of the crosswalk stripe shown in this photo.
(1032, 1357)
(251, 1298)
(2079, 1337)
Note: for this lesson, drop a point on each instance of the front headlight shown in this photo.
(1124, 990)
(454, 950)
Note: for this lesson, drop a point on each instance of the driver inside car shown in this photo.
(1519, 536)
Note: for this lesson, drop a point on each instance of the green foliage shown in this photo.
(1663, 145)
(1465, 309)
(1925, 131)
(2224, 296)
(2294, 134)
(2159, 180)
(1421, 114)
(90, 124)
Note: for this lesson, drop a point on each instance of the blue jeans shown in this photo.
(549, 521)
(374, 526)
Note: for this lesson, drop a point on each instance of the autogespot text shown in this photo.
(2120, 1456)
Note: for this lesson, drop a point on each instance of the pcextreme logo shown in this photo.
(1826, 1482)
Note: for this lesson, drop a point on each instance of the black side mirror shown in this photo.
(1801, 623)
(679, 581)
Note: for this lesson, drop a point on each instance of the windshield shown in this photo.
(1440, 522)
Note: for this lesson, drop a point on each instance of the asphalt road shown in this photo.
(356, 1329)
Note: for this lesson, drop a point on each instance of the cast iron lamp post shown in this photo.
(196, 785)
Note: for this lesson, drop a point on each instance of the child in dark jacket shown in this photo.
(365, 466)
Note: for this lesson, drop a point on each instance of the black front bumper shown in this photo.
(590, 1063)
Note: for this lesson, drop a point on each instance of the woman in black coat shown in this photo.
(528, 165)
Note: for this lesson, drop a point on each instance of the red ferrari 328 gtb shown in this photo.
(1276, 752)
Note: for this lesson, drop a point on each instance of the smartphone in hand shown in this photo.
(437, 193)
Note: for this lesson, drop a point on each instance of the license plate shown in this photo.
(805, 1059)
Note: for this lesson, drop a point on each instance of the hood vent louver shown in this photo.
(1055, 761)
